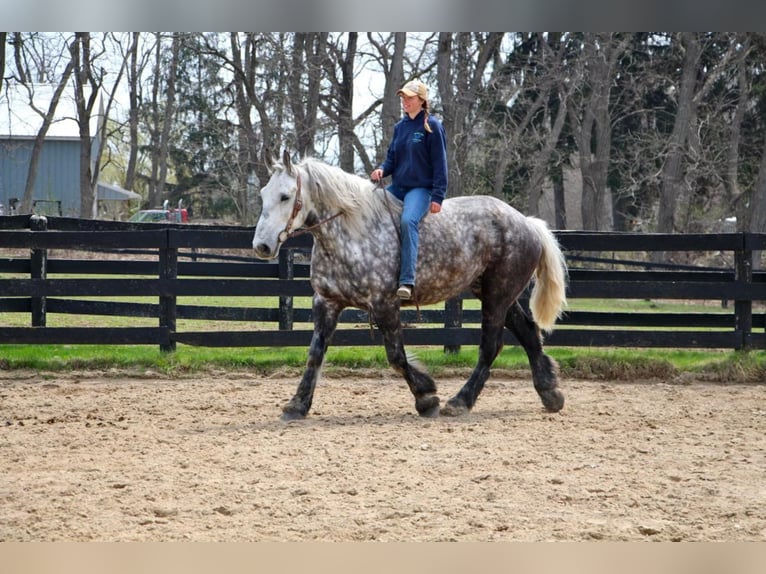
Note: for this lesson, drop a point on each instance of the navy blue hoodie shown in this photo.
(417, 158)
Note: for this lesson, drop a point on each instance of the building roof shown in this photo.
(112, 191)
(18, 118)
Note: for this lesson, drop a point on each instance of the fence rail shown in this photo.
(176, 262)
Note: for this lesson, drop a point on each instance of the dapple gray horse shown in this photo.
(476, 242)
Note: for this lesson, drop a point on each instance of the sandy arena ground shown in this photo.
(95, 456)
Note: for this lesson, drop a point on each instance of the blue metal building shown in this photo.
(57, 185)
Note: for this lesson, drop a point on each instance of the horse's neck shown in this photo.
(350, 237)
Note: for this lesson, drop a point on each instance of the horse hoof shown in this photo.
(553, 400)
(288, 416)
(428, 406)
(454, 409)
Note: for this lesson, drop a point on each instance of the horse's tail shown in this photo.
(548, 298)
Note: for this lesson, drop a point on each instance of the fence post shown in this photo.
(168, 311)
(453, 317)
(38, 259)
(286, 271)
(743, 310)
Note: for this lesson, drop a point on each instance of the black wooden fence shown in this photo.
(166, 262)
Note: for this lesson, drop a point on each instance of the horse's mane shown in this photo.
(334, 190)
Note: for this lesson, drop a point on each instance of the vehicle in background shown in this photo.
(164, 215)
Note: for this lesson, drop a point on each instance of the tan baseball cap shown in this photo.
(414, 88)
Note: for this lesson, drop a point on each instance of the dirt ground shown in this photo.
(97, 456)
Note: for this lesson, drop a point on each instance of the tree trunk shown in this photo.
(244, 62)
(733, 195)
(559, 200)
(154, 127)
(248, 145)
(308, 54)
(21, 69)
(671, 177)
(346, 103)
(601, 52)
(451, 112)
(170, 105)
(542, 159)
(29, 186)
(461, 66)
(3, 40)
(84, 77)
(133, 103)
(391, 109)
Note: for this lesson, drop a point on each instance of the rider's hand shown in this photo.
(376, 175)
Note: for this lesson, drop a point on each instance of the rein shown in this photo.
(297, 206)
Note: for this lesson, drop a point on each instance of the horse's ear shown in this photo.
(287, 162)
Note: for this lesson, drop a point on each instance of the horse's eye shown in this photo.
(284, 197)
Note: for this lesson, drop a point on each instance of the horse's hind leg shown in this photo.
(544, 368)
(490, 346)
(325, 321)
(420, 383)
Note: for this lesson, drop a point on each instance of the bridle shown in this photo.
(286, 234)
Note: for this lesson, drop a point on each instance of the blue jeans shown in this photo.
(417, 203)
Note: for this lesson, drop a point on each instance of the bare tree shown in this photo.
(22, 72)
(695, 84)
(87, 90)
(343, 60)
(162, 109)
(462, 62)
(155, 124)
(731, 177)
(137, 63)
(592, 121)
(390, 58)
(242, 57)
(341, 69)
(3, 40)
(258, 63)
(24, 50)
(554, 93)
(308, 55)
(526, 103)
(47, 117)
(672, 173)
(170, 102)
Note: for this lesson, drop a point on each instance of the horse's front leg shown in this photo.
(420, 383)
(325, 321)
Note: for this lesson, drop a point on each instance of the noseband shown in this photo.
(286, 234)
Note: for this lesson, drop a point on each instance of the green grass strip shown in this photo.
(589, 363)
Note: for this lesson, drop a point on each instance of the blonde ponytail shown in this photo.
(425, 119)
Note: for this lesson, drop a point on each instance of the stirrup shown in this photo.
(404, 292)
